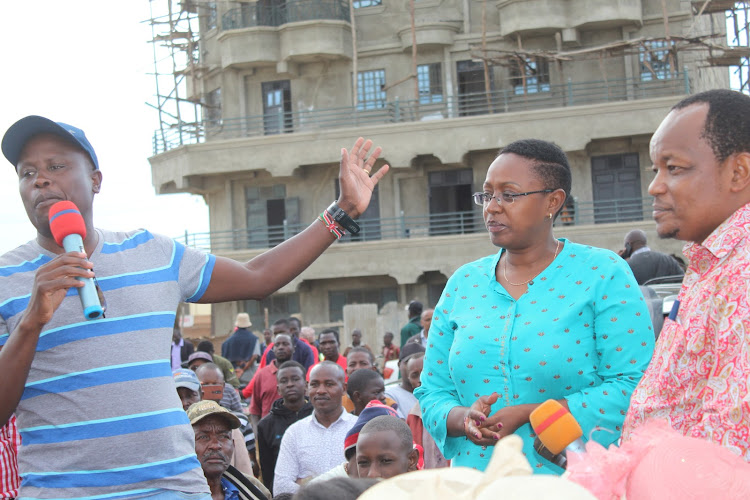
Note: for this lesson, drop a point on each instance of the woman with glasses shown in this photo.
(543, 318)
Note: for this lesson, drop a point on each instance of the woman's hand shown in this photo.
(355, 177)
(478, 428)
(510, 418)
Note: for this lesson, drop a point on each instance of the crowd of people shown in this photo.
(542, 319)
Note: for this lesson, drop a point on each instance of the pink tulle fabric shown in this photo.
(658, 463)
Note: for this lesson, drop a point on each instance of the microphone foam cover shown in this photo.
(555, 426)
(65, 219)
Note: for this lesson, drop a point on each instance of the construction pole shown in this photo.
(414, 58)
(355, 76)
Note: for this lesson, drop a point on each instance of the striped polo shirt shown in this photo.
(99, 416)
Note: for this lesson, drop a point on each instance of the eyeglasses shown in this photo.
(482, 199)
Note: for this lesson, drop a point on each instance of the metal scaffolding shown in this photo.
(177, 70)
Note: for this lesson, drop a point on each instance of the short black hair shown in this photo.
(340, 488)
(291, 364)
(727, 127)
(415, 308)
(282, 321)
(550, 163)
(334, 332)
(205, 346)
(292, 319)
(330, 364)
(365, 350)
(359, 380)
(390, 423)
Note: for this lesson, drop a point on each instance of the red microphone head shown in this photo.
(65, 219)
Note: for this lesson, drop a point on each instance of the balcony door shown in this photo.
(617, 188)
(277, 107)
(268, 208)
(472, 98)
(451, 207)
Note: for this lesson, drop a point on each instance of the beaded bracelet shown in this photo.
(325, 218)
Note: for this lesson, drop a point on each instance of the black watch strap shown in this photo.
(338, 214)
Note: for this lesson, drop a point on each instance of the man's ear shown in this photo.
(413, 459)
(740, 172)
(96, 180)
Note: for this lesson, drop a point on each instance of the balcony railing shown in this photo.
(255, 14)
(416, 226)
(402, 111)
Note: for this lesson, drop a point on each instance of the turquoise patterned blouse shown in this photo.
(582, 331)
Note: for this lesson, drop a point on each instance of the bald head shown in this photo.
(636, 238)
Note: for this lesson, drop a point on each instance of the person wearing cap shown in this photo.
(188, 387)
(413, 327)
(312, 446)
(242, 349)
(190, 391)
(142, 277)
(403, 392)
(213, 426)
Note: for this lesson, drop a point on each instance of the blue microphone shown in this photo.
(69, 230)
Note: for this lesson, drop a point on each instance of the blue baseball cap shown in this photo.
(24, 129)
(186, 378)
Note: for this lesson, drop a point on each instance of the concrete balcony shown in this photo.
(519, 16)
(249, 47)
(430, 34)
(307, 41)
(259, 34)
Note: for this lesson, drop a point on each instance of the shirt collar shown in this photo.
(230, 490)
(341, 417)
(725, 237)
(641, 250)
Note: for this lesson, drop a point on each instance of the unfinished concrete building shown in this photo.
(262, 95)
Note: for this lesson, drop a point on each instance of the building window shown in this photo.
(655, 58)
(212, 108)
(430, 83)
(340, 298)
(370, 93)
(530, 76)
(209, 11)
(360, 4)
(279, 305)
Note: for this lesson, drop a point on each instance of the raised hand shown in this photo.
(356, 178)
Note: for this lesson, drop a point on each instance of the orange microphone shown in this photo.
(557, 432)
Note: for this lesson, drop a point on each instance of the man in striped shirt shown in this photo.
(97, 411)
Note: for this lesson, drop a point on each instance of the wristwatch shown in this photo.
(338, 214)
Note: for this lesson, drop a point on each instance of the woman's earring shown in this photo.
(550, 216)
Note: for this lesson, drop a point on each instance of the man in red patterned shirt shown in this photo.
(10, 441)
(699, 377)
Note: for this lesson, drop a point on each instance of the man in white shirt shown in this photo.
(315, 444)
